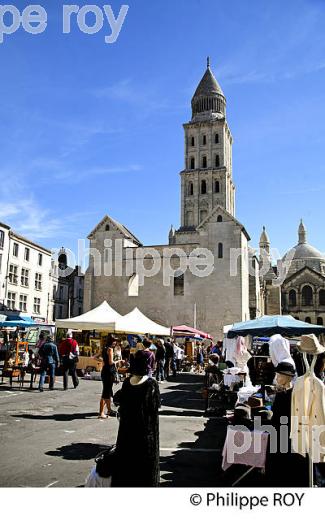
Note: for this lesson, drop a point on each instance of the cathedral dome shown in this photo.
(303, 250)
(208, 96)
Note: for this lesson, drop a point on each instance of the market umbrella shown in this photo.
(18, 321)
(277, 324)
(185, 330)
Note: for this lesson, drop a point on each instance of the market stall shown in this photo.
(277, 329)
(16, 354)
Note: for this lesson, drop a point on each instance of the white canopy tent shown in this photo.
(102, 317)
(135, 322)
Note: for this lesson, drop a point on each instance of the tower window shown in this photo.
(192, 141)
(107, 227)
(320, 321)
(189, 218)
(216, 187)
(307, 295)
(217, 162)
(203, 214)
(219, 218)
(322, 297)
(179, 284)
(204, 161)
(292, 298)
(192, 163)
(216, 138)
(203, 187)
(133, 288)
(204, 140)
(190, 188)
(220, 250)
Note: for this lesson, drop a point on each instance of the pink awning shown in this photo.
(185, 330)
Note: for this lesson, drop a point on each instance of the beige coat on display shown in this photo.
(308, 417)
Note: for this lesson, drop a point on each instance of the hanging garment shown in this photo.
(229, 346)
(307, 413)
(280, 350)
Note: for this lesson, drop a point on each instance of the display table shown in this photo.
(14, 371)
(86, 361)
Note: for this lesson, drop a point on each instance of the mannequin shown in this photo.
(137, 446)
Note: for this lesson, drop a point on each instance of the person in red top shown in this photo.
(69, 352)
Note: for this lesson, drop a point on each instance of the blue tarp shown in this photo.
(278, 324)
(17, 321)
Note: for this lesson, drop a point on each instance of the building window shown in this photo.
(203, 214)
(15, 249)
(204, 161)
(37, 305)
(322, 297)
(80, 294)
(219, 218)
(179, 284)
(192, 141)
(216, 138)
(204, 140)
(307, 320)
(190, 188)
(192, 163)
(38, 281)
(133, 288)
(220, 250)
(40, 258)
(203, 187)
(189, 218)
(320, 321)
(292, 298)
(23, 302)
(60, 292)
(217, 162)
(13, 274)
(107, 227)
(0, 262)
(2, 238)
(24, 277)
(307, 296)
(216, 187)
(26, 254)
(11, 300)
(60, 311)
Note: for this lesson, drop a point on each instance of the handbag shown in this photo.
(106, 462)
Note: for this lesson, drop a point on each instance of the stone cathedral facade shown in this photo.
(222, 295)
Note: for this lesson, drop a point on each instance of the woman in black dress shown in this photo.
(137, 447)
(108, 375)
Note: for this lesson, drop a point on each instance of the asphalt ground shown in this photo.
(50, 439)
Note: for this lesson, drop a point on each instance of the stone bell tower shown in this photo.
(206, 181)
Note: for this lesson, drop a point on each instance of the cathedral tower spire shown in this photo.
(302, 233)
(207, 177)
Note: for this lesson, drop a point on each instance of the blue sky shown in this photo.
(88, 128)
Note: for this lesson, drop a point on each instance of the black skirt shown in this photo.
(108, 377)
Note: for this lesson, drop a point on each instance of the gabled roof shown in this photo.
(109, 220)
(301, 271)
(220, 209)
